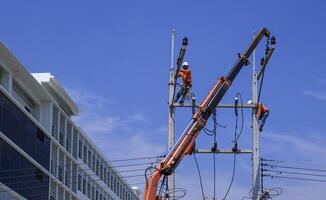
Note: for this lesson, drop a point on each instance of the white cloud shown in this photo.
(118, 137)
(320, 81)
(316, 95)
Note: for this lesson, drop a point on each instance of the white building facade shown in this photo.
(43, 154)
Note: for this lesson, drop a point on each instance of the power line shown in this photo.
(200, 178)
(77, 164)
(232, 179)
(295, 178)
(235, 141)
(61, 184)
(297, 168)
(294, 162)
(137, 164)
(296, 173)
(139, 158)
(82, 170)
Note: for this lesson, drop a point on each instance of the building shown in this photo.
(43, 154)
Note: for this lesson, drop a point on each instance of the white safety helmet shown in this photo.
(185, 64)
(249, 102)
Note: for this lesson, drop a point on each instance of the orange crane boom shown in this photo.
(184, 145)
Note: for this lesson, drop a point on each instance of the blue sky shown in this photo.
(114, 56)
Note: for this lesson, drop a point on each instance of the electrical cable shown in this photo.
(214, 148)
(263, 73)
(182, 194)
(48, 174)
(294, 162)
(236, 137)
(232, 179)
(214, 176)
(41, 173)
(200, 178)
(261, 85)
(80, 164)
(136, 164)
(295, 178)
(145, 173)
(63, 184)
(139, 158)
(161, 187)
(296, 173)
(297, 168)
(242, 118)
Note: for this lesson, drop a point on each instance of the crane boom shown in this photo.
(184, 145)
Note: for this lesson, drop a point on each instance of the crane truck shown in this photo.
(184, 144)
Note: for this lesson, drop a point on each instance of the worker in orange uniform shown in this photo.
(262, 114)
(185, 89)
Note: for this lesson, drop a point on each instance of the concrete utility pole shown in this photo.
(255, 134)
(171, 136)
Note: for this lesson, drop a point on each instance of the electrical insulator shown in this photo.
(267, 51)
(185, 41)
(262, 60)
(273, 41)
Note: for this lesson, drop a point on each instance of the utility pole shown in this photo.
(171, 136)
(255, 133)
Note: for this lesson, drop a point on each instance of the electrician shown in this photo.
(185, 89)
(262, 114)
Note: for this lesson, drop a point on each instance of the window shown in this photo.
(93, 192)
(85, 152)
(74, 143)
(101, 172)
(69, 137)
(54, 160)
(79, 181)
(84, 185)
(88, 189)
(60, 193)
(40, 135)
(80, 149)
(62, 130)
(24, 99)
(23, 132)
(74, 177)
(22, 173)
(55, 122)
(2, 73)
(93, 162)
(53, 190)
(61, 166)
(97, 167)
(89, 158)
(68, 172)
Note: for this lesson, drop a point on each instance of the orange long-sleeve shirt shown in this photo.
(186, 76)
(261, 110)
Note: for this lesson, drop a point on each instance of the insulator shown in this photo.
(273, 40)
(185, 41)
(267, 51)
(262, 60)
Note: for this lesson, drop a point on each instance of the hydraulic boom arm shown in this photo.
(185, 143)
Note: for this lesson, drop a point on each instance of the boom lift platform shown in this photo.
(184, 145)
